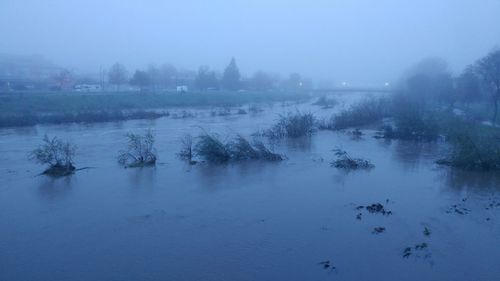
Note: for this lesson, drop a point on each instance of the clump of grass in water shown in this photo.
(292, 125)
(57, 154)
(140, 151)
(187, 153)
(211, 149)
(344, 161)
(364, 113)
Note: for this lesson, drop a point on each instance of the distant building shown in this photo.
(25, 72)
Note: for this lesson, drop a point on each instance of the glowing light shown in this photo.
(387, 84)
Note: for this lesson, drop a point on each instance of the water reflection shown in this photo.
(142, 176)
(411, 154)
(470, 181)
(55, 188)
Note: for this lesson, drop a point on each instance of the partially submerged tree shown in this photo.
(489, 69)
(57, 155)
(140, 151)
(118, 75)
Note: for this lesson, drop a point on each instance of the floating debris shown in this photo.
(378, 230)
(326, 265)
(427, 232)
(421, 246)
(378, 208)
(408, 251)
(375, 208)
(493, 204)
(459, 209)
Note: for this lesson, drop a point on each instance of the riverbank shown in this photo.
(28, 109)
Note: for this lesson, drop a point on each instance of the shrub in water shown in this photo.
(57, 154)
(473, 147)
(140, 151)
(361, 114)
(293, 126)
(344, 161)
(412, 122)
(210, 149)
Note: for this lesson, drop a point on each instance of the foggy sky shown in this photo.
(363, 41)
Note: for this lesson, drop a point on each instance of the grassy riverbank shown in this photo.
(27, 109)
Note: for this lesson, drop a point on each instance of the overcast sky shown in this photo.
(365, 41)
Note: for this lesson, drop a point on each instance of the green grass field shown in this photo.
(26, 109)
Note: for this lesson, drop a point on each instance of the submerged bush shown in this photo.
(57, 154)
(210, 149)
(413, 122)
(473, 147)
(140, 151)
(361, 114)
(292, 125)
(344, 161)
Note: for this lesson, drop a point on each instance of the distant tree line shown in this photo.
(205, 79)
(477, 87)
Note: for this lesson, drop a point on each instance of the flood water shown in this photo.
(243, 221)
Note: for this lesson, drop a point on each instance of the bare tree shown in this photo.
(118, 75)
(489, 69)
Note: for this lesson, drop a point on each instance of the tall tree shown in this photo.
(141, 79)
(154, 76)
(64, 80)
(261, 81)
(168, 75)
(206, 79)
(469, 86)
(489, 69)
(231, 79)
(117, 75)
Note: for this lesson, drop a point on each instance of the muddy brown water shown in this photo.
(243, 221)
